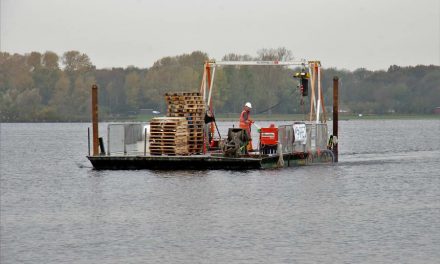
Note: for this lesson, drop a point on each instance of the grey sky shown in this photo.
(344, 34)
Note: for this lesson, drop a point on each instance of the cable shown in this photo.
(273, 106)
(265, 110)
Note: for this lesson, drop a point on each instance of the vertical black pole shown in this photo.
(145, 143)
(125, 146)
(101, 146)
(108, 140)
(88, 139)
(335, 114)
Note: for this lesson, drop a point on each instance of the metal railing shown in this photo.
(126, 138)
(286, 138)
(303, 137)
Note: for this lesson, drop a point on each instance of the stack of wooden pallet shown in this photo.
(192, 107)
(168, 136)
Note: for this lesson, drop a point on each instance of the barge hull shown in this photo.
(195, 162)
(201, 162)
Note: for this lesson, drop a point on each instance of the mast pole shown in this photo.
(95, 139)
(335, 115)
(318, 104)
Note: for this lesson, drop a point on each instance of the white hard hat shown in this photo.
(248, 104)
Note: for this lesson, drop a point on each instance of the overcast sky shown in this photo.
(116, 33)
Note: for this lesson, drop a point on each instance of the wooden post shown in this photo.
(335, 115)
(95, 120)
(206, 137)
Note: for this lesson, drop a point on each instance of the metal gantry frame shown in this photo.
(316, 101)
(317, 106)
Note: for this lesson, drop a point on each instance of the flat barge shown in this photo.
(206, 162)
(184, 140)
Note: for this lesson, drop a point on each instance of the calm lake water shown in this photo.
(380, 204)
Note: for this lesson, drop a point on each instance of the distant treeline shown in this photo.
(47, 87)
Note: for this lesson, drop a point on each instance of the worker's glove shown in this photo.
(259, 130)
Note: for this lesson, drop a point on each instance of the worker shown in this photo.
(246, 122)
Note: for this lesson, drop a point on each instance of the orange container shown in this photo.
(269, 135)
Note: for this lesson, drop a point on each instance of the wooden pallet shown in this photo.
(175, 149)
(183, 94)
(168, 136)
(189, 105)
(187, 99)
(158, 135)
(188, 111)
(169, 153)
(169, 143)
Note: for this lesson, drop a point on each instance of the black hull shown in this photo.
(203, 162)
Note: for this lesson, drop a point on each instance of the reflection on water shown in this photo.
(380, 203)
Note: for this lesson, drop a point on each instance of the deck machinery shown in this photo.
(294, 143)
